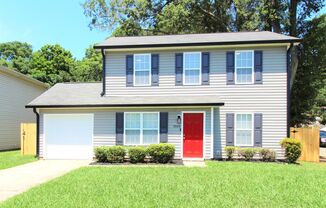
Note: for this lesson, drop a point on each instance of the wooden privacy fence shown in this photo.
(28, 138)
(309, 138)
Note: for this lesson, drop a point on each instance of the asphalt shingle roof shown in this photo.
(196, 39)
(89, 94)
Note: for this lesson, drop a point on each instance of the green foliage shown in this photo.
(116, 154)
(292, 149)
(230, 150)
(137, 154)
(161, 153)
(309, 88)
(140, 17)
(89, 69)
(113, 154)
(52, 64)
(247, 153)
(16, 55)
(267, 155)
(101, 154)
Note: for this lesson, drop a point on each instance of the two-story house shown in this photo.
(200, 92)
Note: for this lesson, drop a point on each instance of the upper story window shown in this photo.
(141, 128)
(244, 67)
(142, 69)
(244, 130)
(192, 68)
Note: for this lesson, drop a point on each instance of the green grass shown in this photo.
(221, 184)
(13, 158)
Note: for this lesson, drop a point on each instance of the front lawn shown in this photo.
(221, 184)
(13, 158)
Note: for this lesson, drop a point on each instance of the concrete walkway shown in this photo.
(18, 179)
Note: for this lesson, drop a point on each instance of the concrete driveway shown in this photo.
(18, 179)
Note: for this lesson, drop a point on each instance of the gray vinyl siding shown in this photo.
(15, 93)
(104, 126)
(269, 98)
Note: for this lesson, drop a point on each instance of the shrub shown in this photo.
(161, 153)
(137, 154)
(292, 149)
(267, 155)
(101, 154)
(116, 154)
(247, 153)
(230, 150)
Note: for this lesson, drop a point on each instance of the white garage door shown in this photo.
(68, 136)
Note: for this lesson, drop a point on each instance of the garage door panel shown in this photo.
(72, 152)
(68, 136)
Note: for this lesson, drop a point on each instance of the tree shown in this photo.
(308, 94)
(52, 64)
(16, 55)
(90, 67)
(140, 17)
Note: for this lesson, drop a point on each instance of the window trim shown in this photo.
(141, 129)
(184, 68)
(150, 69)
(252, 129)
(252, 67)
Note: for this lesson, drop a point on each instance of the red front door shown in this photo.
(193, 135)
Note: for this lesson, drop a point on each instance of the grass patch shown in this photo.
(13, 158)
(221, 184)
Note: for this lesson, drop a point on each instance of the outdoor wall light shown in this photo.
(178, 119)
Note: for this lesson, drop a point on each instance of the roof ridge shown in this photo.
(137, 36)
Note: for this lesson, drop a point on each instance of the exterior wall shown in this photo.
(14, 95)
(269, 98)
(104, 126)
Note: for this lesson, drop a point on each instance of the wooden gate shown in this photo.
(309, 138)
(28, 138)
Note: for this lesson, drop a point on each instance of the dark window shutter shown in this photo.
(258, 129)
(178, 68)
(155, 69)
(205, 68)
(129, 70)
(119, 128)
(230, 67)
(164, 116)
(258, 60)
(230, 129)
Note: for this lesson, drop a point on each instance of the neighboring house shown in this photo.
(16, 90)
(199, 92)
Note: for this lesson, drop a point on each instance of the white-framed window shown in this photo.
(141, 128)
(142, 69)
(192, 68)
(244, 129)
(244, 67)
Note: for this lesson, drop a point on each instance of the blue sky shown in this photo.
(41, 22)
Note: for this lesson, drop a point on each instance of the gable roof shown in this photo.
(228, 38)
(21, 76)
(89, 95)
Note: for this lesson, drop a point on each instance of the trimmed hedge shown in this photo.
(161, 153)
(267, 155)
(101, 154)
(137, 154)
(247, 153)
(114, 154)
(292, 149)
(230, 150)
